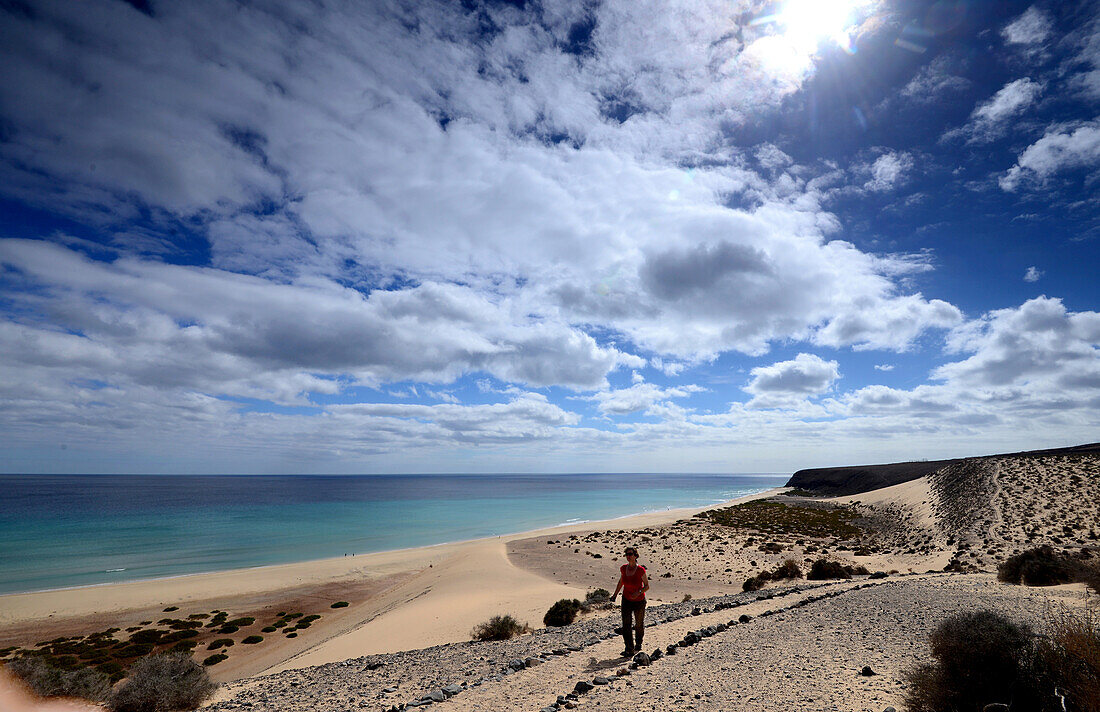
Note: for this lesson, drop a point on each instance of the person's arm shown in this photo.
(618, 587)
(645, 581)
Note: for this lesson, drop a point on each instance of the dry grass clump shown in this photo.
(162, 683)
(1070, 654)
(1043, 566)
(499, 628)
(45, 680)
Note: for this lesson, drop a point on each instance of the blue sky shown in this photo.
(706, 236)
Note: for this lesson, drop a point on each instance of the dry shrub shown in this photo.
(45, 680)
(981, 658)
(789, 569)
(823, 569)
(162, 683)
(499, 628)
(1041, 566)
(752, 583)
(1069, 656)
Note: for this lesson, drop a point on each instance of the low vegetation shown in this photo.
(1043, 566)
(824, 569)
(778, 518)
(983, 658)
(162, 683)
(499, 628)
(563, 612)
(45, 680)
(789, 569)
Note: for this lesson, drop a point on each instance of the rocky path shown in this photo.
(800, 648)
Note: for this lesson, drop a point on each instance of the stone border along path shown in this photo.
(379, 681)
(569, 677)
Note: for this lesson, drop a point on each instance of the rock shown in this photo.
(391, 688)
(867, 671)
(745, 618)
(549, 708)
(889, 709)
(533, 661)
(452, 690)
(600, 681)
(670, 649)
(559, 651)
(374, 666)
(878, 575)
(582, 687)
(643, 659)
(438, 695)
(516, 664)
(721, 627)
(656, 654)
(995, 707)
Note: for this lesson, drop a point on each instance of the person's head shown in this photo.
(631, 554)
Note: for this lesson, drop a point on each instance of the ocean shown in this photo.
(74, 530)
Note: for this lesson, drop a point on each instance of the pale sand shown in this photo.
(420, 597)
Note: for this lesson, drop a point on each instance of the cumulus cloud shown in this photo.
(155, 322)
(1061, 149)
(884, 367)
(888, 170)
(1033, 274)
(1039, 343)
(639, 397)
(804, 375)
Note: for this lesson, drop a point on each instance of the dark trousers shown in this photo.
(632, 610)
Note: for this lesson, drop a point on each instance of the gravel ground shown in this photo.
(803, 650)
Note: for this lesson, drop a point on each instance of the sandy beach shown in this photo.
(933, 544)
(400, 600)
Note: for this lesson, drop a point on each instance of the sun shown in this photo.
(807, 23)
(798, 30)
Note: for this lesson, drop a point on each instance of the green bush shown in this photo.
(340, 604)
(228, 629)
(789, 569)
(49, 681)
(563, 612)
(499, 628)
(220, 643)
(253, 639)
(268, 629)
(215, 659)
(752, 583)
(241, 622)
(164, 682)
(600, 595)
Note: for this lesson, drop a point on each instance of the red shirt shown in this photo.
(632, 583)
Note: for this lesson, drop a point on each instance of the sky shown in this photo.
(410, 236)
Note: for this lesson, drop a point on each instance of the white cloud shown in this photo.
(934, 80)
(1032, 27)
(639, 397)
(888, 170)
(1033, 274)
(884, 367)
(1061, 149)
(804, 375)
(990, 120)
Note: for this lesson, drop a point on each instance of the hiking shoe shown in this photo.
(628, 652)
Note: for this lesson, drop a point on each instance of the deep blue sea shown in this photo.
(74, 530)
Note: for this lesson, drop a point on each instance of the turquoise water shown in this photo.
(73, 530)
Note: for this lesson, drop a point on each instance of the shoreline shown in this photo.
(261, 567)
(402, 599)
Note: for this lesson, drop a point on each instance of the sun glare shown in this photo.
(803, 25)
(808, 22)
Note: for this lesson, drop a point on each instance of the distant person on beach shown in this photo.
(633, 582)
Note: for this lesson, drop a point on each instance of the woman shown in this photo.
(633, 582)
